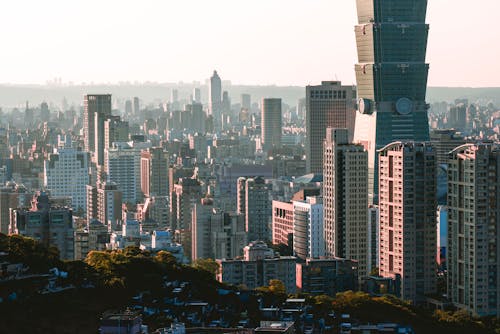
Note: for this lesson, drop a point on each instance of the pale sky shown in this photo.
(283, 42)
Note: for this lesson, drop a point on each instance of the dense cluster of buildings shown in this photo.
(355, 191)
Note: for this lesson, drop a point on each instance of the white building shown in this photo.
(66, 174)
(308, 239)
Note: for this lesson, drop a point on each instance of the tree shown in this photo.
(277, 287)
(166, 258)
(208, 265)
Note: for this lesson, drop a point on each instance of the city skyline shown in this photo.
(129, 43)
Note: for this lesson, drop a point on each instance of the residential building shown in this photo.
(257, 211)
(473, 259)
(308, 230)
(282, 223)
(154, 172)
(407, 204)
(345, 199)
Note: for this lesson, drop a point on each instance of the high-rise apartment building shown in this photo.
(345, 199)
(407, 203)
(445, 141)
(271, 123)
(154, 172)
(123, 168)
(109, 203)
(257, 208)
(115, 130)
(66, 173)
(473, 254)
(391, 76)
(97, 109)
(282, 223)
(329, 105)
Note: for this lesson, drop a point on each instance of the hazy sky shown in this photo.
(282, 42)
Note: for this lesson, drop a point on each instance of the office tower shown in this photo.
(109, 203)
(154, 172)
(391, 77)
(215, 99)
(66, 173)
(282, 223)
(97, 109)
(445, 141)
(345, 199)
(115, 130)
(216, 234)
(254, 195)
(271, 123)
(407, 203)
(50, 225)
(9, 199)
(128, 108)
(258, 266)
(137, 107)
(196, 95)
(246, 101)
(44, 112)
(123, 168)
(327, 276)
(329, 105)
(473, 224)
(373, 238)
(308, 238)
(91, 196)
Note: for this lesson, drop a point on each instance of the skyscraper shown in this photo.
(215, 99)
(391, 76)
(345, 199)
(271, 123)
(254, 203)
(329, 105)
(154, 172)
(407, 203)
(473, 259)
(97, 109)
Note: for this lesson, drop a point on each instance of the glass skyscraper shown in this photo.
(391, 76)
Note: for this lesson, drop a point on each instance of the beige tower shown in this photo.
(407, 203)
(345, 199)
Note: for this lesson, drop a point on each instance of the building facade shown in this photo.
(473, 258)
(329, 105)
(407, 204)
(345, 199)
(271, 123)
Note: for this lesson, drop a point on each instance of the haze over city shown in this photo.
(292, 42)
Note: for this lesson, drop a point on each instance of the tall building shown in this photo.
(391, 77)
(407, 204)
(257, 208)
(215, 99)
(246, 101)
(115, 130)
(373, 238)
(44, 112)
(216, 234)
(137, 108)
(97, 109)
(271, 123)
(196, 95)
(154, 172)
(109, 203)
(308, 237)
(473, 258)
(123, 168)
(50, 225)
(345, 199)
(329, 105)
(66, 173)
